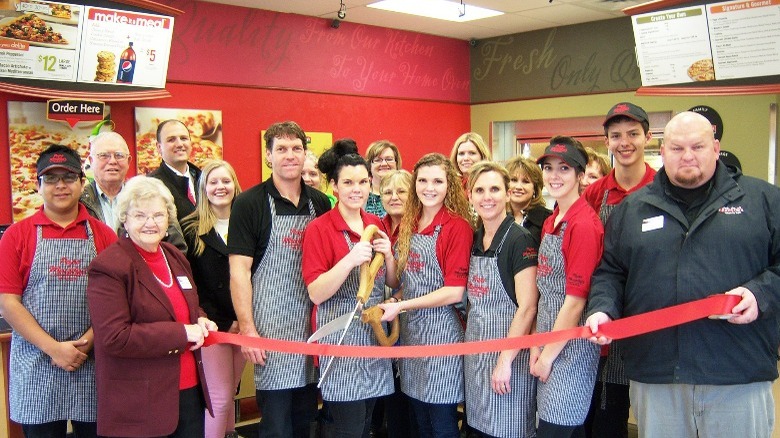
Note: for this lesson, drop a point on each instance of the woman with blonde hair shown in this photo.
(469, 149)
(526, 203)
(433, 250)
(394, 189)
(382, 157)
(312, 176)
(206, 231)
(500, 391)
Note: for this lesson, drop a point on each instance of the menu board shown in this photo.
(673, 46)
(40, 40)
(717, 41)
(66, 42)
(123, 47)
(745, 38)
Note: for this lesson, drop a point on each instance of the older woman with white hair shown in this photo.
(144, 310)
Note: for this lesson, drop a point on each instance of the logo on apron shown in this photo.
(478, 286)
(68, 269)
(294, 240)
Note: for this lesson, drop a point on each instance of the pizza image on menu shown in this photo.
(702, 70)
(30, 27)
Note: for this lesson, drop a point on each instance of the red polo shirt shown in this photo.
(324, 244)
(594, 193)
(453, 248)
(17, 247)
(582, 245)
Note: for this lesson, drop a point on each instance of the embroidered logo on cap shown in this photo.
(559, 148)
(58, 158)
(621, 108)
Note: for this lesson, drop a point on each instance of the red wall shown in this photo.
(417, 127)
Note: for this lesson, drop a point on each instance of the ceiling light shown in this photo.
(440, 9)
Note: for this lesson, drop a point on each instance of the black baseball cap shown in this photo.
(626, 109)
(730, 160)
(58, 157)
(567, 151)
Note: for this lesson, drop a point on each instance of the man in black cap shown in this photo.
(699, 229)
(43, 280)
(626, 134)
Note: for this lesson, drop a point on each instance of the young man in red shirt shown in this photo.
(43, 297)
(627, 133)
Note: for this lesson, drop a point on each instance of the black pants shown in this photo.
(549, 430)
(191, 414)
(286, 412)
(59, 429)
(349, 419)
(608, 415)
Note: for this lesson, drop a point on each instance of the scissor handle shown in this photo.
(373, 316)
(368, 270)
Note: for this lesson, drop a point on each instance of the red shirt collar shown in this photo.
(40, 218)
(612, 184)
(442, 217)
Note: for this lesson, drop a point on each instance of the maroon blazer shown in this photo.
(138, 342)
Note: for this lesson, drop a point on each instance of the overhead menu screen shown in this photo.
(745, 38)
(40, 40)
(717, 41)
(75, 43)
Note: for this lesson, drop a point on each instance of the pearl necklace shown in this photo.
(170, 274)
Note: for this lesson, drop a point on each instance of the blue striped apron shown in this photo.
(56, 296)
(491, 311)
(354, 378)
(565, 398)
(282, 308)
(430, 379)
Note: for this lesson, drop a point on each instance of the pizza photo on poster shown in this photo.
(29, 134)
(205, 127)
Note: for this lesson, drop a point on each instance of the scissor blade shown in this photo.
(324, 374)
(333, 326)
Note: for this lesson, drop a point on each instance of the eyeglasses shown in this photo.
(105, 156)
(379, 160)
(157, 218)
(397, 192)
(54, 178)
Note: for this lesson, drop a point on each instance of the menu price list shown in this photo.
(745, 38)
(39, 40)
(123, 47)
(670, 44)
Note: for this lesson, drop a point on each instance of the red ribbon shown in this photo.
(618, 329)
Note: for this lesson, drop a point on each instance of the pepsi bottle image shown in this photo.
(126, 66)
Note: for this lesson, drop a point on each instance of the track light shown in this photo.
(342, 14)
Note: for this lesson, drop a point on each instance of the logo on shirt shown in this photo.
(731, 210)
(543, 269)
(294, 240)
(414, 263)
(530, 253)
(477, 286)
(68, 269)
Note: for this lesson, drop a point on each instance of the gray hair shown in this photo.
(106, 135)
(142, 188)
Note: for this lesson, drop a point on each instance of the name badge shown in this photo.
(652, 223)
(184, 282)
